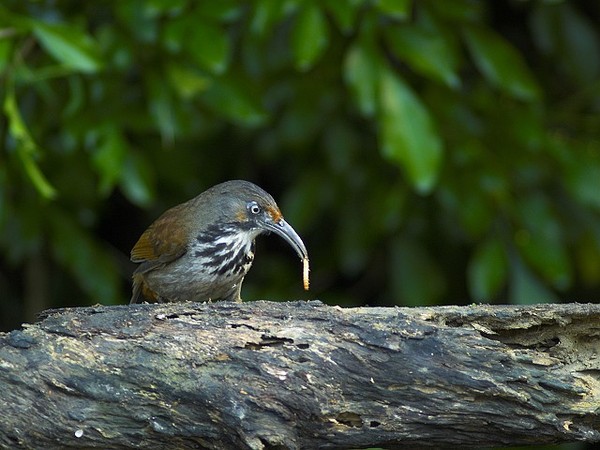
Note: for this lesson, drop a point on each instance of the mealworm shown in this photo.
(305, 273)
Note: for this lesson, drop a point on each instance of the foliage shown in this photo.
(427, 151)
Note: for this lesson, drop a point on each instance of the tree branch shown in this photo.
(301, 375)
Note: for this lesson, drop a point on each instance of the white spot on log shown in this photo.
(276, 372)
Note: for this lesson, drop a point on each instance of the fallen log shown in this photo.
(265, 375)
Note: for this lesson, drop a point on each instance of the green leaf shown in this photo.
(36, 176)
(267, 14)
(109, 158)
(310, 36)
(175, 34)
(187, 82)
(398, 9)
(429, 52)
(488, 269)
(140, 18)
(209, 46)
(407, 134)
(69, 45)
(76, 98)
(137, 180)
(233, 99)
(344, 13)
(362, 75)
(27, 149)
(161, 102)
(6, 49)
(500, 63)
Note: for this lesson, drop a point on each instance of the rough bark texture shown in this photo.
(301, 375)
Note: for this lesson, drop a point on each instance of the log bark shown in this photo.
(265, 375)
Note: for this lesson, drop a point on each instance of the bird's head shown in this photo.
(252, 210)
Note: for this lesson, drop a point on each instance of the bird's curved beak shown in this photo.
(285, 230)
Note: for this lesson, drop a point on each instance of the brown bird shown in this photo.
(202, 249)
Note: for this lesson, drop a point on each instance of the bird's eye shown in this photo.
(254, 208)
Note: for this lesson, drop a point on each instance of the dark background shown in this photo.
(428, 152)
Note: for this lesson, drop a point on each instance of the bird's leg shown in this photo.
(235, 295)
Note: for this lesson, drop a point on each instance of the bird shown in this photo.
(202, 249)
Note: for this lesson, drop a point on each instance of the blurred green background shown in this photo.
(428, 152)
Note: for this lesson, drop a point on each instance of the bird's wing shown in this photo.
(164, 241)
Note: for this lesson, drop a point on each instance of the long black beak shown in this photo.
(285, 230)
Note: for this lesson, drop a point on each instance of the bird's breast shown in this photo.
(228, 254)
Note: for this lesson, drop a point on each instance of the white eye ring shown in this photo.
(254, 208)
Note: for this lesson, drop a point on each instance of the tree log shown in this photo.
(265, 375)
